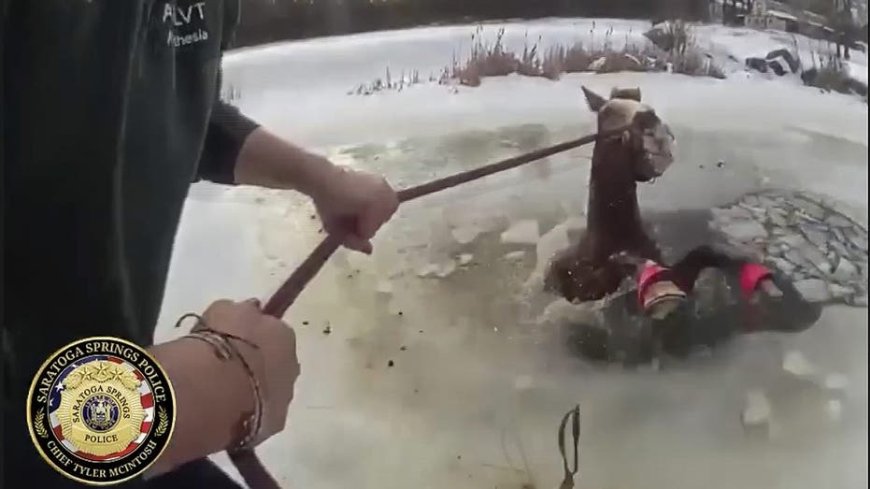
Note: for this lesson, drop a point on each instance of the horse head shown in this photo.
(646, 136)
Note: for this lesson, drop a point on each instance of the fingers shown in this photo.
(217, 309)
(373, 218)
(223, 309)
(358, 211)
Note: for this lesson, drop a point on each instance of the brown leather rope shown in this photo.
(246, 461)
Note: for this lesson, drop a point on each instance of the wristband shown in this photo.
(248, 429)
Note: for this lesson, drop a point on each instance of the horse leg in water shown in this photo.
(769, 299)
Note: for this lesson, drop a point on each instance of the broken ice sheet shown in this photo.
(521, 232)
(796, 364)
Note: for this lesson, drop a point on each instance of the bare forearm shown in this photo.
(268, 161)
(205, 415)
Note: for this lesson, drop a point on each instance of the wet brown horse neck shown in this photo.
(613, 222)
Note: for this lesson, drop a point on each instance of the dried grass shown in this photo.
(494, 59)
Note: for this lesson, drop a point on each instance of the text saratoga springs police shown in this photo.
(145, 364)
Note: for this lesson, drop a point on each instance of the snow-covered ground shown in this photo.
(477, 387)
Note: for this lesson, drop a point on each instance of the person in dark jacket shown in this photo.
(110, 110)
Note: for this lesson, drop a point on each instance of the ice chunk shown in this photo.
(384, 287)
(465, 258)
(813, 289)
(757, 410)
(521, 232)
(465, 234)
(810, 209)
(815, 236)
(782, 265)
(428, 270)
(817, 258)
(838, 291)
(744, 230)
(446, 269)
(778, 219)
(858, 241)
(793, 240)
(839, 249)
(836, 382)
(796, 259)
(838, 221)
(515, 255)
(796, 364)
(834, 409)
(845, 271)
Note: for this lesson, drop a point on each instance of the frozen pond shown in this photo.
(424, 366)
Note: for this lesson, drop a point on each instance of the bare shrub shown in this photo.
(833, 74)
(575, 59)
(485, 61)
(495, 59)
(686, 57)
(529, 64)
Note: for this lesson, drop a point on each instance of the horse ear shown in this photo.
(594, 100)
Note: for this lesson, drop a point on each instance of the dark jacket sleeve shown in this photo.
(227, 130)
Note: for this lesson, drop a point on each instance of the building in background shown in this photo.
(766, 14)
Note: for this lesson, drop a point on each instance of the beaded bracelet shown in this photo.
(250, 425)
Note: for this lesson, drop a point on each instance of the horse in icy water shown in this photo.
(711, 290)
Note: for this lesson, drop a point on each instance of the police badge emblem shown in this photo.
(100, 410)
